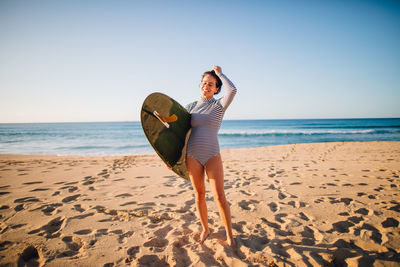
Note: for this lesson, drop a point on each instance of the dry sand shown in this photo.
(328, 204)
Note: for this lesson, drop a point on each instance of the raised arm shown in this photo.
(231, 90)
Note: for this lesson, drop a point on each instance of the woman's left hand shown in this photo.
(217, 69)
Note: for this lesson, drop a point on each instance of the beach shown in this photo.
(317, 204)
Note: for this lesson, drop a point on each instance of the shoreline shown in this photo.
(132, 210)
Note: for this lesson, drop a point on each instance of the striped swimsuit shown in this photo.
(206, 120)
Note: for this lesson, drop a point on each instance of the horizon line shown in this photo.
(345, 118)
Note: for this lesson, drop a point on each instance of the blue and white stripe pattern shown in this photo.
(206, 120)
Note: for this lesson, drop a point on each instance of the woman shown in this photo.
(203, 149)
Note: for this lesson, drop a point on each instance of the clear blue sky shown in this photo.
(98, 60)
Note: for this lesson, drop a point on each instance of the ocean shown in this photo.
(127, 138)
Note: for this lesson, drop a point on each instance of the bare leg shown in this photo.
(215, 174)
(196, 174)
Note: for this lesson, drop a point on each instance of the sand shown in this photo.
(326, 204)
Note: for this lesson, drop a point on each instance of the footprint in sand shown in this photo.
(162, 232)
(378, 189)
(367, 231)
(341, 227)
(70, 188)
(184, 184)
(348, 185)
(248, 205)
(51, 229)
(16, 226)
(278, 217)
(70, 198)
(363, 211)
(147, 204)
(50, 208)
(151, 260)
(257, 242)
(304, 216)
(390, 222)
(272, 225)
(5, 245)
(144, 177)
(273, 207)
(244, 193)
(157, 218)
(271, 187)
(132, 251)
(356, 219)
(101, 232)
(331, 184)
(117, 231)
(39, 189)
(124, 195)
(78, 207)
(88, 180)
(81, 217)
(297, 204)
(83, 232)
(395, 207)
(238, 226)
(29, 257)
(128, 203)
(103, 172)
(313, 233)
(344, 200)
(281, 196)
(26, 200)
(156, 242)
(319, 200)
(73, 243)
(19, 207)
(123, 237)
(71, 183)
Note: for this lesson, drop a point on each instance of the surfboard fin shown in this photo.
(164, 120)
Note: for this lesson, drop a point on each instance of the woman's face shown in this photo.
(208, 86)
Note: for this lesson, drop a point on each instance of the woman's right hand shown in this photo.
(217, 69)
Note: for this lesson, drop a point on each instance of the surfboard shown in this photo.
(166, 125)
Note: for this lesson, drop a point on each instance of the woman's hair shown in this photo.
(219, 82)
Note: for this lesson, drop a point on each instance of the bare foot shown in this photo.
(204, 235)
(228, 243)
(231, 242)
